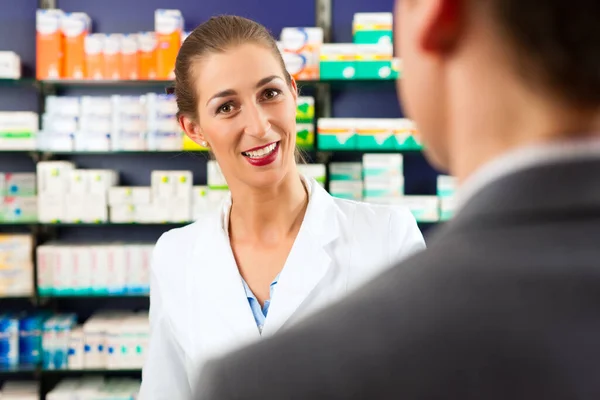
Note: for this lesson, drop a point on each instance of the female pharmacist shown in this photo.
(280, 243)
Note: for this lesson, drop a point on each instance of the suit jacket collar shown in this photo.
(550, 191)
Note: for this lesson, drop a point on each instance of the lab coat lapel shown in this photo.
(308, 261)
(216, 288)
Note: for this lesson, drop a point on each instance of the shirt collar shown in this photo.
(525, 158)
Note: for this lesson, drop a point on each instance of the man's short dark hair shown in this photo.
(557, 44)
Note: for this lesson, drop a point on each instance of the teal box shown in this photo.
(345, 171)
(374, 69)
(337, 70)
(337, 142)
(374, 61)
(336, 134)
(349, 190)
(373, 36)
(337, 61)
(375, 142)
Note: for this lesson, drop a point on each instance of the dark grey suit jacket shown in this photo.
(504, 304)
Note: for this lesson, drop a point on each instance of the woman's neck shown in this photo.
(268, 215)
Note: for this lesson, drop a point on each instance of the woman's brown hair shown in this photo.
(216, 36)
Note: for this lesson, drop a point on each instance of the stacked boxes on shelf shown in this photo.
(10, 65)
(367, 134)
(21, 339)
(107, 340)
(346, 181)
(446, 187)
(20, 390)
(300, 49)
(18, 130)
(67, 48)
(93, 269)
(95, 387)
(370, 56)
(171, 196)
(115, 123)
(18, 198)
(318, 172)
(379, 179)
(16, 265)
(372, 28)
(305, 123)
(70, 195)
(383, 177)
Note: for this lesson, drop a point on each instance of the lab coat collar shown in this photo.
(215, 279)
(308, 261)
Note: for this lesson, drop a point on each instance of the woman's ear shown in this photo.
(192, 130)
(294, 88)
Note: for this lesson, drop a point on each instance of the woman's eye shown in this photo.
(271, 94)
(225, 109)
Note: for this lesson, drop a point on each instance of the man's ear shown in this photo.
(192, 130)
(441, 24)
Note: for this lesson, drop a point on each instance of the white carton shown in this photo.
(10, 65)
(317, 172)
(51, 207)
(345, 171)
(101, 180)
(162, 184)
(75, 358)
(18, 130)
(215, 177)
(128, 195)
(117, 267)
(424, 208)
(122, 214)
(78, 181)
(18, 184)
(200, 201)
(384, 187)
(183, 181)
(19, 209)
(377, 166)
(82, 278)
(350, 190)
(100, 262)
(53, 176)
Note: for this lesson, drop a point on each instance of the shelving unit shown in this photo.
(357, 98)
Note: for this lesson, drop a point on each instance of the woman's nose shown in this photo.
(257, 123)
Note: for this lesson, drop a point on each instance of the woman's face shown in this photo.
(247, 114)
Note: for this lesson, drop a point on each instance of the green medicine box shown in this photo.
(374, 61)
(345, 171)
(375, 134)
(337, 61)
(305, 110)
(372, 28)
(336, 134)
(305, 136)
(372, 36)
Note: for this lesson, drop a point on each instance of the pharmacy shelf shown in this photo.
(18, 82)
(169, 83)
(95, 371)
(121, 296)
(18, 369)
(33, 370)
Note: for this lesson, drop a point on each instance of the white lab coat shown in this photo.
(198, 306)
